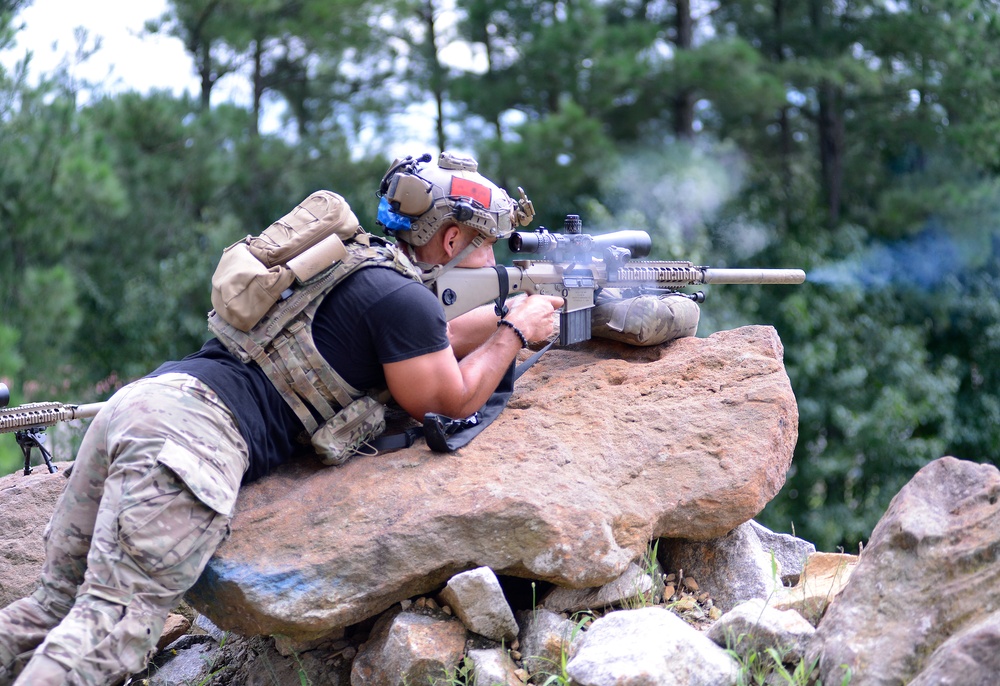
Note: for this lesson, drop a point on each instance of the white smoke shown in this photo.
(674, 191)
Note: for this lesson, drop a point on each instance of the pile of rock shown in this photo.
(531, 551)
(877, 618)
(645, 623)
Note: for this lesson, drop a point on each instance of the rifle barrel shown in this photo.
(746, 276)
(44, 414)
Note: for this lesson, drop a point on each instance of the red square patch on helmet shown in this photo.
(470, 189)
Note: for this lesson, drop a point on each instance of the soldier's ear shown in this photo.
(451, 239)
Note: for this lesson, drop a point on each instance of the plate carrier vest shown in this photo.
(338, 417)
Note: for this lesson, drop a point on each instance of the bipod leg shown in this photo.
(34, 438)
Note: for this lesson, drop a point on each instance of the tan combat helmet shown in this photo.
(418, 199)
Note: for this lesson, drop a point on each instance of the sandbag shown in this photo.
(643, 319)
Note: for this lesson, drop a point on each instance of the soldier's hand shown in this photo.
(533, 315)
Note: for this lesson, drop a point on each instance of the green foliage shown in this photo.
(857, 140)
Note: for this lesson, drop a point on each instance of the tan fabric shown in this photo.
(253, 273)
(643, 320)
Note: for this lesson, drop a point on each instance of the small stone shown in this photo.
(714, 613)
(515, 644)
(703, 597)
(521, 674)
(515, 655)
(669, 578)
(430, 604)
(685, 603)
(405, 604)
(446, 609)
(690, 584)
(668, 592)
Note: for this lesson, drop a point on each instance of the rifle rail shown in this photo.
(38, 415)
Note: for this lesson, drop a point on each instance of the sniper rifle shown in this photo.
(28, 422)
(578, 266)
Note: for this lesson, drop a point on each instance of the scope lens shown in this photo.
(4, 395)
(517, 241)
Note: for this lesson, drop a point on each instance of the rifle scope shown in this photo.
(541, 241)
(4, 395)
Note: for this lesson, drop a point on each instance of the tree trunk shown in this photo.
(205, 71)
(684, 99)
(258, 87)
(784, 130)
(830, 128)
(437, 71)
(831, 142)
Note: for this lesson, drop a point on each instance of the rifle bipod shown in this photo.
(34, 438)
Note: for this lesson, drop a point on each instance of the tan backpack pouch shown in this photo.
(243, 289)
(317, 258)
(321, 214)
(345, 433)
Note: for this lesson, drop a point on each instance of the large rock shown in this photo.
(650, 645)
(929, 572)
(602, 448)
(734, 568)
(26, 505)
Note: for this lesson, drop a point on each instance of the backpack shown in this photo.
(254, 272)
(265, 293)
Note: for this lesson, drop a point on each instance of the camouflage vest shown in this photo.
(338, 417)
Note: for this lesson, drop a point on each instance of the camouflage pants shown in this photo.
(148, 501)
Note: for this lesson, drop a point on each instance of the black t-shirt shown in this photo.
(374, 317)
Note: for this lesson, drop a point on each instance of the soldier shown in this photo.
(154, 485)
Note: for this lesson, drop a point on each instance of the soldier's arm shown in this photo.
(470, 330)
(439, 382)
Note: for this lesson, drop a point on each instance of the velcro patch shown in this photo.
(471, 189)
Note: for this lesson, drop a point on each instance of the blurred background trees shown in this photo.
(858, 139)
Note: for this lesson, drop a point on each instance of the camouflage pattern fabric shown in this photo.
(149, 499)
(643, 319)
(349, 430)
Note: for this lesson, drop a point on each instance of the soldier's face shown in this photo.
(480, 257)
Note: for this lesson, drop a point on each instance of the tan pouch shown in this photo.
(347, 431)
(252, 274)
(644, 320)
(322, 214)
(243, 289)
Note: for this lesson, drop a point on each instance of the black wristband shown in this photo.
(504, 322)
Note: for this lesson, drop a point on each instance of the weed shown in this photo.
(462, 675)
(304, 679)
(770, 667)
(651, 568)
(760, 667)
(559, 676)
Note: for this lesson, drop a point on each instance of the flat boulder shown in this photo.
(26, 505)
(603, 447)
